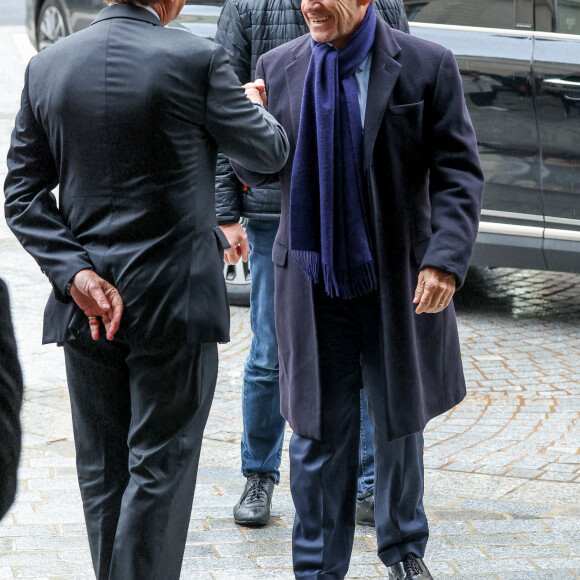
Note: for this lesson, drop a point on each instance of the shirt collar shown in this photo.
(152, 12)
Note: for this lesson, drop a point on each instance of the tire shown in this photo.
(238, 283)
(52, 24)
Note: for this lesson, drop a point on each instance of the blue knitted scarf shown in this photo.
(328, 233)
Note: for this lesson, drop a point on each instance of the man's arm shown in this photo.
(455, 190)
(32, 214)
(244, 132)
(30, 207)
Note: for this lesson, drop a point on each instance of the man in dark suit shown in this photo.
(10, 403)
(126, 116)
(380, 206)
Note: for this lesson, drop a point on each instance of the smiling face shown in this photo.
(334, 21)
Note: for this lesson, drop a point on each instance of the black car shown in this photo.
(520, 67)
(49, 20)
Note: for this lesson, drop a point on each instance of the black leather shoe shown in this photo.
(365, 511)
(411, 568)
(253, 509)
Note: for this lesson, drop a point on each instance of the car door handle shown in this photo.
(563, 85)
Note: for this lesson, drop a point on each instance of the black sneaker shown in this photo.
(411, 568)
(253, 509)
(365, 511)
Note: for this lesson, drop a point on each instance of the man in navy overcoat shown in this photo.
(366, 269)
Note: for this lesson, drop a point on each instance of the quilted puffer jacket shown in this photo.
(247, 29)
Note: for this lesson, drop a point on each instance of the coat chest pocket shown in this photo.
(408, 110)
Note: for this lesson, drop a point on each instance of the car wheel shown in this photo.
(238, 283)
(52, 24)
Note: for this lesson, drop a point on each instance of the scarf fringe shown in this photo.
(345, 284)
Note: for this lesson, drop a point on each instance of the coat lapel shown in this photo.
(385, 71)
(295, 77)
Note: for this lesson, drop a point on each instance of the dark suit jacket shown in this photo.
(126, 117)
(10, 402)
(425, 186)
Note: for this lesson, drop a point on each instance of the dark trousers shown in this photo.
(138, 417)
(323, 473)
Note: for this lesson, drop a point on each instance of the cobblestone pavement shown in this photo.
(502, 469)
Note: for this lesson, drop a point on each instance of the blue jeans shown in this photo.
(366, 465)
(263, 434)
(263, 425)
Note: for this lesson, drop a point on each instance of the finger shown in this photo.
(245, 249)
(113, 318)
(419, 289)
(97, 294)
(232, 255)
(430, 293)
(260, 84)
(94, 327)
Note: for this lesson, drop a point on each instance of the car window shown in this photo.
(483, 13)
(569, 16)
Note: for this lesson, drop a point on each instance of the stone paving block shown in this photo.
(461, 515)
(491, 566)
(268, 534)
(364, 572)
(453, 554)
(26, 558)
(559, 575)
(75, 556)
(538, 491)
(210, 564)
(482, 540)
(256, 574)
(504, 507)
(55, 570)
(525, 552)
(253, 549)
(568, 563)
(275, 561)
(51, 543)
(16, 531)
(439, 568)
(509, 526)
(214, 536)
(51, 516)
(448, 529)
(557, 538)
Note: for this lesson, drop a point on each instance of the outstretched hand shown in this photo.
(97, 299)
(435, 289)
(239, 245)
(256, 92)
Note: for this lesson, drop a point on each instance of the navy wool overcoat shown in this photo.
(425, 185)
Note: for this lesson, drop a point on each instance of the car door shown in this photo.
(492, 41)
(83, 12)
(557, 84)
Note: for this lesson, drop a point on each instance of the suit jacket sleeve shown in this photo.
(455, 175)
(30, 207)
(245, 133)
(250, 176)
(10, 403)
